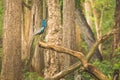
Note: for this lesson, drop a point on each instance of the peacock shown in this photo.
(42, 29)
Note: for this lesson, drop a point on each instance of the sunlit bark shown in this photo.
(88, 12)
(11, 61)
(53, 36)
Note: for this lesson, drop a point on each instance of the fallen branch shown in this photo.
(76, 54)
(66, 71)
(78, 64)
(79, 55)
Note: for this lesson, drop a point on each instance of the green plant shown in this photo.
(1, 16)
(105, 67)
(32, 76)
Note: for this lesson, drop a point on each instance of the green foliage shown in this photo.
(32, 76)
(1, 16)
(108, 7)
(0, 59)
(77, 3)
(0, 52)
(106, 4)
(105, 67)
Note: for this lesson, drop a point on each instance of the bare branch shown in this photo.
(98, 42)
(79, 55)
(78, 64)
(66, 71)
(76, 54)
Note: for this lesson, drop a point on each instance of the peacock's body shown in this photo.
(42, 29)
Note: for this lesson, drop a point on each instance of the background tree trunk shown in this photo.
(117, 25)
(87, 32)
(88, 12)
(11, 62)
(38, 56)
(26, 31)
(53, 36)
(69, 31)
(78, 37)
(69, 39)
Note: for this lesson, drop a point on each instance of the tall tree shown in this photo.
(53, 36)
(117, 25)
(69, 39)
(11, 62)
(69, 31)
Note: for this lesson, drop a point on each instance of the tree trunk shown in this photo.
(88, 12)
(87, 32)
(78, 37)
(38, 57)
(69, 39)
(53, 36)
(69, 32)
(11, 62)
(117, 25)
(26, 31)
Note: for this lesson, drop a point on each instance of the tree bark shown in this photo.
(117, 25)
(78, 37)
(87, 32)
(11, 61)
(26, 32)
(69, 32)
(69, 38)
(88, 12)
(37, 54)
(53, 36)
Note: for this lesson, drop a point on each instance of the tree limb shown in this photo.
(78, 64)
(89, 67)
(76, 54)
(66, 71)
(104, 37)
